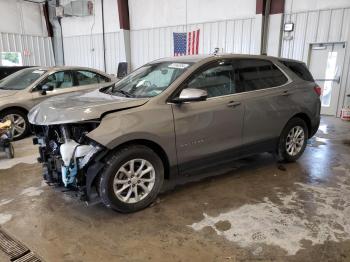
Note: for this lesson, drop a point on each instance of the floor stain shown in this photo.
(223, 225)
(288, 224)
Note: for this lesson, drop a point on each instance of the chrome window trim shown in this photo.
(289, 80)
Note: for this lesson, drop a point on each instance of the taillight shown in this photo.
(318, 90)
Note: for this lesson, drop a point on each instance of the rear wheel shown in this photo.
(132, 179)
(20, 124)
(293, 140)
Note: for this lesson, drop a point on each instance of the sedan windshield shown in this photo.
(21, 79)
(149, 80)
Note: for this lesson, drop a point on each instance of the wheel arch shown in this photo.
(307, 121)
(155, 147)
(24, 110)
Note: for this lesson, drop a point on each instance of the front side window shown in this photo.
(216, 80)
(61, 79)
(149, 80)
(255, 74)
(21, 79)
(89, 78)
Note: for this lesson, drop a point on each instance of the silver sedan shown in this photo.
(24, 89)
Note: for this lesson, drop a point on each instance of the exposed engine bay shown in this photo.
(66, 153)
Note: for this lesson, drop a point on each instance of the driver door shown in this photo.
(208, 131)
(62, 83)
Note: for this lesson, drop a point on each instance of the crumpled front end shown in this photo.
(67, 154)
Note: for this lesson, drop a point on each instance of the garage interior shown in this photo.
(252, 209)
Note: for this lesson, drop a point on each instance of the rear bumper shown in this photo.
(314, 126)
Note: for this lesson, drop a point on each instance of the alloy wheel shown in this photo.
(134, 181)
(19, 124)
(295, 140)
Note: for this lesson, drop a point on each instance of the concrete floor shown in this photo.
(253, 210)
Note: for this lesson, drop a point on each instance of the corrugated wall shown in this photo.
(87, 50)
(332, 25)
(315, 27)
(233, 36)
(35, 50)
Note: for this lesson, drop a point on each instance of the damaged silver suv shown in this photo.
(174, 116)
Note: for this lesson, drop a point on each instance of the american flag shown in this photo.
(186, 43)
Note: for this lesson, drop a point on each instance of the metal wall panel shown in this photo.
(314, 26)
(232, 36)
(87, 50)
(35, 50)
(331, 25)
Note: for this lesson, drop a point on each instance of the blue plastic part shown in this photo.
(69, 175)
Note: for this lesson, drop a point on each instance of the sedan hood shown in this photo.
(80, 106)
(6, 93)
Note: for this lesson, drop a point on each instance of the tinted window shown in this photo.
(61, 79)
(255, 74)
(299, 69)
(89, 78)
(216, 80)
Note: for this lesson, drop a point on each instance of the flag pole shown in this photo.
(186, 17)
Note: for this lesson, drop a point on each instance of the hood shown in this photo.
(6, 93)
(80, 106)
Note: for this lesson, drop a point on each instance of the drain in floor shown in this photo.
(15, 250)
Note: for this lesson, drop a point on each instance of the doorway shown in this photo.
(326, 65)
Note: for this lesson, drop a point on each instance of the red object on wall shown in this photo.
(276, 7)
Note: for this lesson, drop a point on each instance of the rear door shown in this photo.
(267, 100)
(88, 80)
(211, 128)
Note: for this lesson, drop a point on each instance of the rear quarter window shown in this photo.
(299, 69)
(256, 74)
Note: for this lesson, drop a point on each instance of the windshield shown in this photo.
(21, 79)
(149, 80)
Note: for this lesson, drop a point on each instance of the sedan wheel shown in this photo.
(19, 125)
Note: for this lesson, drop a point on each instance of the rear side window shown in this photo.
(299, 69)
(89, 78)
(255, 74)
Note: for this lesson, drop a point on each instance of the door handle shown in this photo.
(233, 104)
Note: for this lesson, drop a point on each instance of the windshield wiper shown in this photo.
(127, 94)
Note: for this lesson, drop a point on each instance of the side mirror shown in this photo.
(45, 88)
(191, 95)
(122, 70)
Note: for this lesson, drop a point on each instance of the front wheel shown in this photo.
(20, 125)
(132, 179)
(292, 142)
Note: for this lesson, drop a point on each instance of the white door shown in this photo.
(326, 64)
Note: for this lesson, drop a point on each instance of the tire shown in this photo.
(20, 130)
(10, 152)
(285, 148)
(115, 172)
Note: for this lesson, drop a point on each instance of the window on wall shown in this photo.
(11, 59)
(255, 74)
